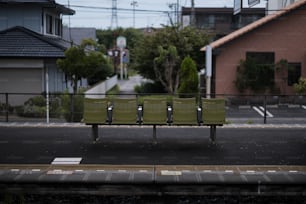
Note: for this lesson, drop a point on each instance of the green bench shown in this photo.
(155, 112)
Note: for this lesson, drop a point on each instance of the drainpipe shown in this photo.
(208, 70)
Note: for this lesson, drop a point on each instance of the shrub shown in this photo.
(36, 107)
(149, 87)
(189, 81)
(300, 87)
(73, 107)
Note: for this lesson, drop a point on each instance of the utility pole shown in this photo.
(134, 4)
(192, 17)
(114, 20)
(177, 12)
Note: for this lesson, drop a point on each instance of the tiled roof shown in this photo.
(21, 42)
(256, 24)
(47, 3)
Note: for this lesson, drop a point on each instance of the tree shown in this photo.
(164, 68)
(83, 62)
(189, 83)
(187, 41)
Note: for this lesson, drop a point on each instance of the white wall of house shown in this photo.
(275, 5)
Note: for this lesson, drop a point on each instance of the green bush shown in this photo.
(36, 107)
(73, 107)
(189, 81)
(149, 87)
(3, 108)
(300, 87)
(254, 76)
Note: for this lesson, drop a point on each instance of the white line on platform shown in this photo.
(68, 160)
(170, 173)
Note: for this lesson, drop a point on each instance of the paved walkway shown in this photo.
(127, 86)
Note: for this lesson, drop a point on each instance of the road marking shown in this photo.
(67, 160)
(35, 170)
(304, 107)
(207, 171)
(271, 171)
(250, 171)
(268, 113)
(261, 111)
(15, 170)
(293, 171)
(229, 171)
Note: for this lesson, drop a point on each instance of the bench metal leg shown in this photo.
(154, 135)
(213, 133)
(94, 132)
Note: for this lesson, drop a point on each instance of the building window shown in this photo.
(49, 24)
(207, 21)
(53, 25)
(294, 73)
(58, 27)
(261, 58)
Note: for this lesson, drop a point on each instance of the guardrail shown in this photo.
(65, 107)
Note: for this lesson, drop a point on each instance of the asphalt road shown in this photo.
(250, 145)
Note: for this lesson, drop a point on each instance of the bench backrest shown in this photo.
(213, 111)
(154, 111)
(124, 111)
(184, 111)
(95, 111)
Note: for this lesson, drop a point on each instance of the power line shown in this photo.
(120, 9)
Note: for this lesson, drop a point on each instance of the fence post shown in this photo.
(6, 108)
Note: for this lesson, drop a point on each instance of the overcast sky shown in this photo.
(98, 13)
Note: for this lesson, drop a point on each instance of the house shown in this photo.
(221, 21)
(77, 35)
(273, 39)
(30, 43)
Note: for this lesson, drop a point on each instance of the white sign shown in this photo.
(121, 42)
(253, 2)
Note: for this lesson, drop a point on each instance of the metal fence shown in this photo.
(66, 107)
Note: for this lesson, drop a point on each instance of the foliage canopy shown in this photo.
(187, 41)
(84, 62)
